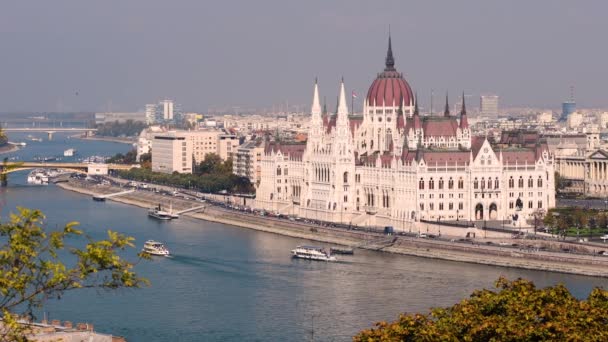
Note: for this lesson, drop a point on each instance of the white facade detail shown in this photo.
(392, 167)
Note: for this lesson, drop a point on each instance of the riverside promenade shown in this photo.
(496, 250)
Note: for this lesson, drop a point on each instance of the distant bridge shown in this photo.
(51, 130)
(86, 168)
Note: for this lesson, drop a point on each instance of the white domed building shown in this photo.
(393, 167)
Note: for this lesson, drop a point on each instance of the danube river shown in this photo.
(226, 283)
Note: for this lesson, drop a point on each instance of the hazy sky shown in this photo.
(86, 55)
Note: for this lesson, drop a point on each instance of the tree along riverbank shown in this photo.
(472, 251)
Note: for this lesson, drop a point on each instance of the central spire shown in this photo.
(390, 61)
(446, 112)
(463, 111)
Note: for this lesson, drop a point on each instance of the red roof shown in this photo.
(519, 157)
(389, 89)
(440, 126)
(449, 158)
(476, 143)
(292, 150)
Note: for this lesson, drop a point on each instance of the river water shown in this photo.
(225, 283)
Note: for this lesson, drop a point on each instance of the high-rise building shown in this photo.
(568, 107)
(166, 108)
(151, 113)
(171, 152)
(489, 105)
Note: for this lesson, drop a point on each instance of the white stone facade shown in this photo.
(392, 167)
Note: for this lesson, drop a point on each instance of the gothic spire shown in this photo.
(342, 106)
(390, 61)
(416, 104)
(463, 111)
(446, 112)
(464, 122)
(316, 104)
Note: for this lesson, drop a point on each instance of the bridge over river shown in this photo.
(51, 130)
(84, 168)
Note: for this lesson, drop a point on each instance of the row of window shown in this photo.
(440, 184)
(520, 182)
(441, 206)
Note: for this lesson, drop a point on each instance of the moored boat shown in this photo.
(312, 253)
(159, 214)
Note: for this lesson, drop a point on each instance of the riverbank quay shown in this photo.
(8, 148)
(108, 139)
(546, 255)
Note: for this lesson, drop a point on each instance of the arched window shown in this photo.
(511, 182)
(421, 184)
(440, 184)
(460, 183)
(489, 183)
(278, 171)
(540, 182)
(450, 183)
(496, 183)
(431, 184)
(475, 184)
(530, 182)
(520, 182)
(345, 177)
(483, 183)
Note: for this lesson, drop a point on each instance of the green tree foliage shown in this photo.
(128, 128)
(3, 137)
(34, 267)
(518, 311)
(128, 158)
(210, 183)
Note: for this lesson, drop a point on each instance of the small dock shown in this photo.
(101, 198)
(189, 210)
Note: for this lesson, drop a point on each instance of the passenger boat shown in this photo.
(312, 253)
(155, 248)
(38, 176)
(159, 214)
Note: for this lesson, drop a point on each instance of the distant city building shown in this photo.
(101, 118)
(166, 107)
(575, 119)
(150, 113)
(215, 141)
(585, 169)
(171, 152)
(166, 111)
(545, 118)
(144, 142)
(568, 108)
(248, 161)
(603, 120)
(489, 105)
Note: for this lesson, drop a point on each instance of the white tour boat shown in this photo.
(38, 176)
(312, 253)
(155, 248)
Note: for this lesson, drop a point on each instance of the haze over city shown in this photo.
(114, 55)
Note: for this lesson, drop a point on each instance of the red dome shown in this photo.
(389, 87)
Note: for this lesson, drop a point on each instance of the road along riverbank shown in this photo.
(529, 254)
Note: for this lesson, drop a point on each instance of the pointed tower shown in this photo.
(316, 122)
(446, 111)
(390, 60)
(464, 123)
(464, 138)
(342, 112)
